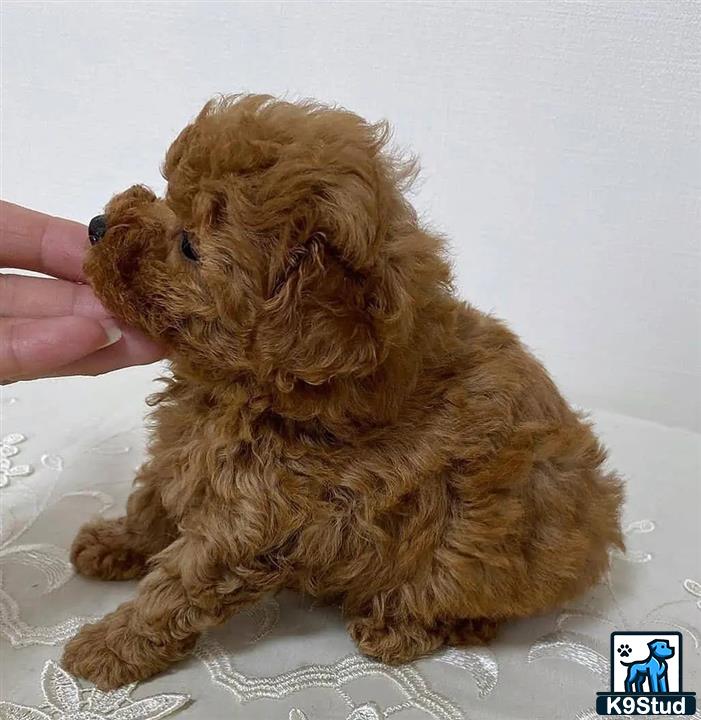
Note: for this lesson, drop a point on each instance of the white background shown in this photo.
(560, 146)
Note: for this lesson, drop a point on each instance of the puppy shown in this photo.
(337, 421)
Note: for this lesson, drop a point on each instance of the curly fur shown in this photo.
(337, 421)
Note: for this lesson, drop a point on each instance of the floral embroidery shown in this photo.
(8, 449)
(52, 462)
(66, 700)
(480, 662)
(51, 561)
(363, 712)
(265, 616)
(637, 527)
(693, 588)
(417, 693)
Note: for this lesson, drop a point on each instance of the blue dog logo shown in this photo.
(648, 687)
(653, 669)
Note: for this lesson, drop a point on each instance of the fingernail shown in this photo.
(112, 332)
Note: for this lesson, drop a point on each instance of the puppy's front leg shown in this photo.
(119, 548)
(194, 585)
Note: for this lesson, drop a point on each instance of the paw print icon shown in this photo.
(624, 650)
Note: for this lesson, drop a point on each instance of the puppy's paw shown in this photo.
(102, 654)
(103, 549)
(393, 643)
(111, 653)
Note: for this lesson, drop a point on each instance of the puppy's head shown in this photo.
(284, 245)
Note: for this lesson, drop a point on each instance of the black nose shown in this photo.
(97, 229)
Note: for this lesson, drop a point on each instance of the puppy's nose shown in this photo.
(97, 229)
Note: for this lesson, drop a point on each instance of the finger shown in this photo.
(36, 348)
(34, 241)
(31, 297)
(132, 349)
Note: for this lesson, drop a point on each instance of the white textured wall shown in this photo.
(560, 146)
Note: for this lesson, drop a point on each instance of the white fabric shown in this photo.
(70, 448)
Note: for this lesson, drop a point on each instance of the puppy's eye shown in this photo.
(186, 247)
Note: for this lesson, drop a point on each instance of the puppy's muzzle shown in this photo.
(97, 229)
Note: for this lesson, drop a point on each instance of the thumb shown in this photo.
(34, 348)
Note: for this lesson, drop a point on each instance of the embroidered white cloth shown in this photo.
(69, 451)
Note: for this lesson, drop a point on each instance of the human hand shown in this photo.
(56, 326)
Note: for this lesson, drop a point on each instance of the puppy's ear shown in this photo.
(325, 318)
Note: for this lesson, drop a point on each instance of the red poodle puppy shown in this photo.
(337, 421)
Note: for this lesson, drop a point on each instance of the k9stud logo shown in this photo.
(646, 676)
